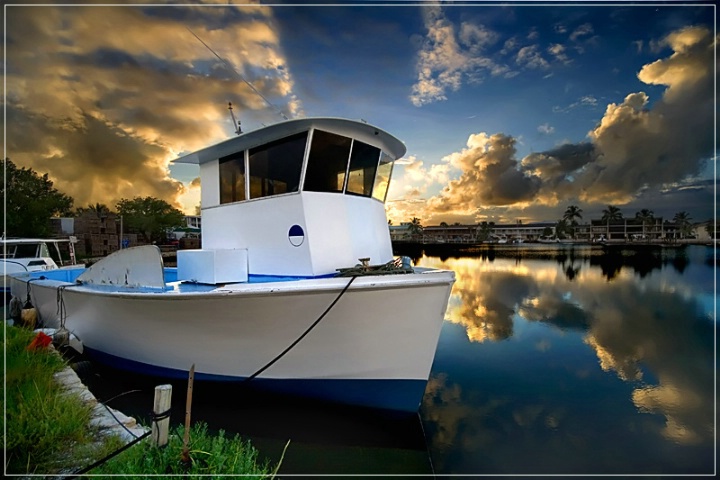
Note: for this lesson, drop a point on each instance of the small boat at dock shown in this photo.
(33, 255)
(295, 289)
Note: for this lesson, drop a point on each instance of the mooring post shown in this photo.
(188, 409)
(163, 396)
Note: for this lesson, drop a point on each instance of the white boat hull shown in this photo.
(382, 334)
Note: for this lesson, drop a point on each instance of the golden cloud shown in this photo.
(103, 98)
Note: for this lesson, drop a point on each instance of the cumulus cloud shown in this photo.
(450, 56)
(490, 176)
(103, 98)
(635, 145)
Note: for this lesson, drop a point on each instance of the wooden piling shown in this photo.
(188, 410)
(163, 397)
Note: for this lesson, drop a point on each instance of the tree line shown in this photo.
(31, 200)
(566, 226)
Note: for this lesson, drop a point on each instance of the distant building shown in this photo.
(527, 232)
(193, 221)
(191, 229)
(627, 229)
(97, 235)
(400, 232)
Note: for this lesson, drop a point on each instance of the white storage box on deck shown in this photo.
(213, 266)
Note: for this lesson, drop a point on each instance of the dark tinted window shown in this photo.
(232, 178)
(363, 164)
(327, 163)
(25, 250)
(275, 168)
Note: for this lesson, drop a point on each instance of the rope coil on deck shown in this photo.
(396, 266)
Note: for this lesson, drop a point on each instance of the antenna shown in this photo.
(238, 130)
(229, 65)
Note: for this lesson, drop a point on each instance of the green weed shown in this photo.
(48, 432)
(44, 427)
(211, 456)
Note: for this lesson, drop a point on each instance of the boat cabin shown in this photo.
(33, 254)
(299, 198)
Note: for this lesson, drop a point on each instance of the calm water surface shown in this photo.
(568, 362)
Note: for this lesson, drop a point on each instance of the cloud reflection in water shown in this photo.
(647, 329)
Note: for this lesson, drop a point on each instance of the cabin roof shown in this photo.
(390, 144)
(13, 241)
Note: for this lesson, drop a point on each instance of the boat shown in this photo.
(548, 239)
(33, 255)
(496, 239)
(295, 289)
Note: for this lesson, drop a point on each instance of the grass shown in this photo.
(212, 456)
(48, 432)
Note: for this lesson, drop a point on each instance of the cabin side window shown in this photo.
(327, 163)
(363, 164)
(232, 178)
(274, 168)
(382, 179)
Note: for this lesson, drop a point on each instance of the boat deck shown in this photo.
(172, 284)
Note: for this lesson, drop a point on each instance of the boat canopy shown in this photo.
(312, 154)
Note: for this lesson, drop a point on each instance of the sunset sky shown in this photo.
(508, 112)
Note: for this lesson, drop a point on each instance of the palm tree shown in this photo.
(484, 230)
(100, 209)
(561, 227)
(415, 226)
(682, 221)
(711, 228)
(572, 212)
(647, 217)
(611, 214)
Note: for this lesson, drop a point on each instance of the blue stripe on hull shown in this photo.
(390, 394)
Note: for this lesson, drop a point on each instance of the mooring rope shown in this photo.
(154, 417)
(297, 340)
(427, 448)
(393, 267)
(108, 457)
(61, 312)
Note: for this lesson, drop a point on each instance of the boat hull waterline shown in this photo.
(374, 348)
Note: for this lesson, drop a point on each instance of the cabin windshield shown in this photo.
(335, 164)
(275, 167)
(327, 163)
(363, 164)
(382, 179)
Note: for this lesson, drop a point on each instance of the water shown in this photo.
(560, 361)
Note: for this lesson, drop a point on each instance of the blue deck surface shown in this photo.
(171, 280)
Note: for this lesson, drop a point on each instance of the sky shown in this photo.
(509, 112)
